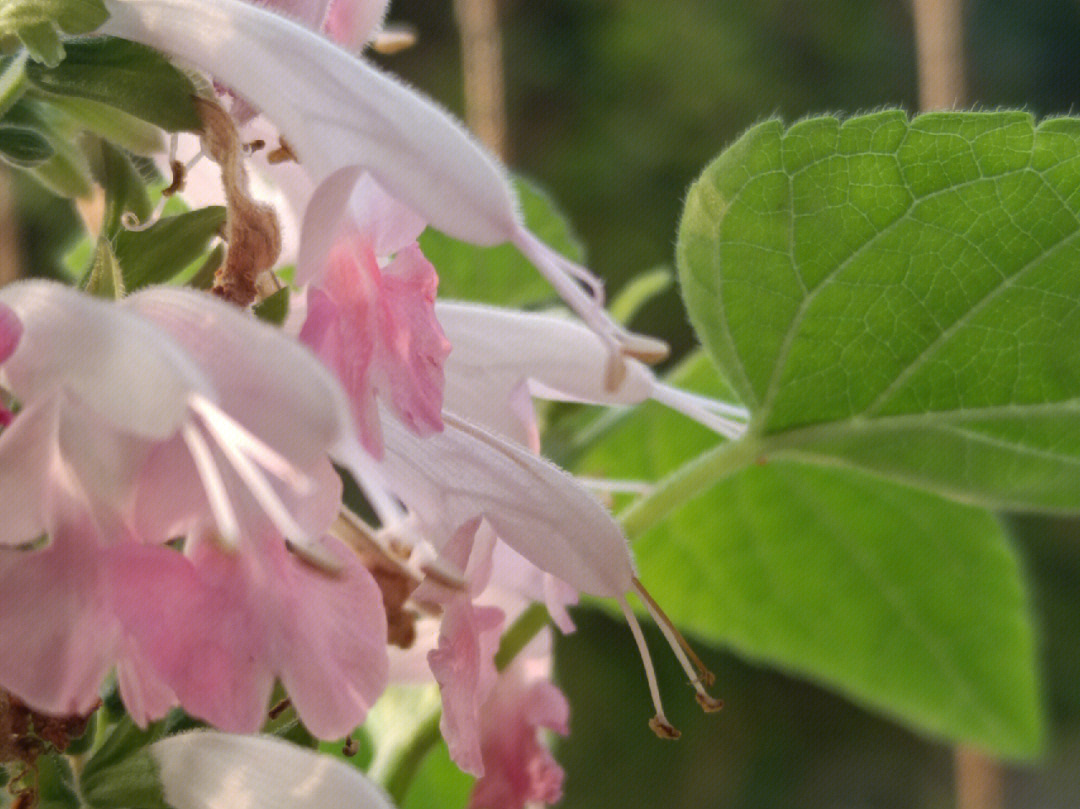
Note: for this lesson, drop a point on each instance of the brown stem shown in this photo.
(939, 46)
(482, 62)
(979, 780)
(10, 263)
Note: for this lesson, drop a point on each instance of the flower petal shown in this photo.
(464, 667)
(59, 633)
(11, 330)
(351, 201)
(518, 769)
(558, 357)
(354, 22)
(330, 642)
(335, 110)
(273, 385)
(27, 457)
(539, 510)
(193, 620)
(204, 769)
(122, 366)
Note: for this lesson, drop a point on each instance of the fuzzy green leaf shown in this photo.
(901, 295)
(23, 147)
(71, 16)
(125, 75)
(161, 251)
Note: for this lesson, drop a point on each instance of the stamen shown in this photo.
(659, 723)
(553, 267)
(737, 412)
(643, 348)
(394, 39)
(362, 538)
(260, 489)
(279, 708)
(564, 276)
(236, 434)
(692, 407)
(696, 671)
(178, 178)
(610, 486)
(131, 222)
(213, 485)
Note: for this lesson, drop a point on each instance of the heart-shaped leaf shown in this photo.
(901, 295)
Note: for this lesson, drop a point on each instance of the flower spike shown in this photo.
(339, 113)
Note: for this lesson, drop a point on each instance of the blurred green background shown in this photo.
(614, 106)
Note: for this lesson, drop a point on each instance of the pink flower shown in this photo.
(376, 329)
(148, 420)
(60, 634)
(10, 332)
(220, 627)
(518, 769)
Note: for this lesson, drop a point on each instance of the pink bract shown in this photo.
(376, 329)
(518, 769)
(220, 627)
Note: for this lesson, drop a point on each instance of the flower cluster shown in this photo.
(171, 508)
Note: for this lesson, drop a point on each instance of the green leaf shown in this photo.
(105, 279)
(501, 275)
(125, 190)
(67, 172)
(161, 251)
(124, 130)
(134, 783)
(275, 308)
(56, 784)
(72, 16)
(899, 600)
(12, 81)
(42, 43)
(23, 147)
(125, 75)
(898, 295)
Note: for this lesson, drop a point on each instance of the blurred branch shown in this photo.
(939, 45)
(482, 61)
(979, 780)
(9, 232)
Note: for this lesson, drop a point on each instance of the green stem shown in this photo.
(688, 481)
(518, 635)
(13, 83)
(401, 775)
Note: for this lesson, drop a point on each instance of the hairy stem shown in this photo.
(688, 481)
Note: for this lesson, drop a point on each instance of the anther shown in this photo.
(279, 708)
(696, 671)
(643, 348)
(709, 704)
(394, 39)
(350, 748)
(178, 177)
(282, 154)
(663, 728)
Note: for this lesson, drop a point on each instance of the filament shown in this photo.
(213, 485)
(660, 724)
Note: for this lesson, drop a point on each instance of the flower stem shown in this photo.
(518, 635)
(688, 481)
(400, 778)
